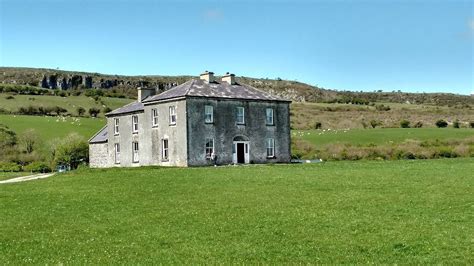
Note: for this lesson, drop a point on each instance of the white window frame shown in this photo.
(134, 123)
(173, 116)
(209, 150)
(116, 126)
(270, 147)
(135, 152)
(154, 117)
(269, 113)
(117, 153)
(164, 150)
(239, 115)
(209, 114)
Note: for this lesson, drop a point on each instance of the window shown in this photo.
(154, 117)
(209, 113)
(117, 153)
(116, 126)
(209, 148)
(240, 115)
(135, 152)
(269, 117)
(172, 115)
(270, 148)
(135, 123)
(164, 149)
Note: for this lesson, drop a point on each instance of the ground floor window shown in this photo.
(209, 148)
(270, 148)
(117, 153)
(135, 152)
(164, 149)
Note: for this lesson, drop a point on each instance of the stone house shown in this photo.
(192, 124)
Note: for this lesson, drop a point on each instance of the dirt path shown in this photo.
(26, 178)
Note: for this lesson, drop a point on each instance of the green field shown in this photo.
(9, 175)
(49, 127)
(71, 103)
(379, 136)
(395, 212)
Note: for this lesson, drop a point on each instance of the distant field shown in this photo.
(53, 127)
(71, 103)
(379, 136)
(396, 212)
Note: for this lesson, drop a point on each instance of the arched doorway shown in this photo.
(240, 150)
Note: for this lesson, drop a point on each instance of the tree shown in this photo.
(72, 150)
(29, 140)
(456, 124)
(81, 111)
(404, 124)
(441, 123)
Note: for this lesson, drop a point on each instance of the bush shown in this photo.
(94, 111)
(404, 124)
(318, 125)
(375, 123)
(456, 124)
(81, 111)
(72, 150)
(9, 97)
(418, 124)
(9, 167)
(38, 167)
(62, 94)
(382, 107)
(441, 123)
(471, 124)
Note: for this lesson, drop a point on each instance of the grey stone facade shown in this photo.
(189, 139)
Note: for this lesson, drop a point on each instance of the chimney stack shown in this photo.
(145, 92)
(229, 78)
(207, 76)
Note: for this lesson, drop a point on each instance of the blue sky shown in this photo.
(417, 46)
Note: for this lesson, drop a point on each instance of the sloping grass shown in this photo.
(380, 136)
(49, 128)
(10, 175)
(71, 103)
(397, 212)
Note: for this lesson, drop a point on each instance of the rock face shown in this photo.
(87, 82)
(53, 81)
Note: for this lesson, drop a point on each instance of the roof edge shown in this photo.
(97, 133)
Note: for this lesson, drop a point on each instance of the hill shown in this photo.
(292, 90)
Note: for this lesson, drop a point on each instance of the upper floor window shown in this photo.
(116, 126)
(209, 148)
(164, 149)
(117, 153)
(269, 116)
(154, 117)
(173, 115)
(270, 148)
(209, 113)
(240, 115)
(135, 152)
(134, 123)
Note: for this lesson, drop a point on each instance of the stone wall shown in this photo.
(98, 155)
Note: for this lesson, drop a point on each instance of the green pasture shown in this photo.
(380, 136)
(49, 127)
(9, 175)
(366, 212)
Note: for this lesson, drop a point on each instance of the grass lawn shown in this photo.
(53, 127)
(10, 175)
(396, 212)
(379, 136)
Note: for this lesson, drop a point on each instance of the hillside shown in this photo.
(292, 90)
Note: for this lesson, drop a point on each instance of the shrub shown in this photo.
(382, 107)
(418, 124)
(375, 123)
(81, 111)
(318, 125)
(62, 94)
(441, 123)
(72, 150)
(9, 167)
(471, 124)
(94, 111)
(456, 124)
(404, 124)
(9, 97)
(38, 167)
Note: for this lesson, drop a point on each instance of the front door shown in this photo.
(240, 152)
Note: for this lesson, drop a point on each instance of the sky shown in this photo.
(408, 45)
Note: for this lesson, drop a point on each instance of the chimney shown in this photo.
(207, 76)
(145, 92)
(229, 78)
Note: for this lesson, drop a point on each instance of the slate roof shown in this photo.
(129, 108)
(201, 88)
(100, 137)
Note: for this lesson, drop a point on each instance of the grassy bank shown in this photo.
(338, 212)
